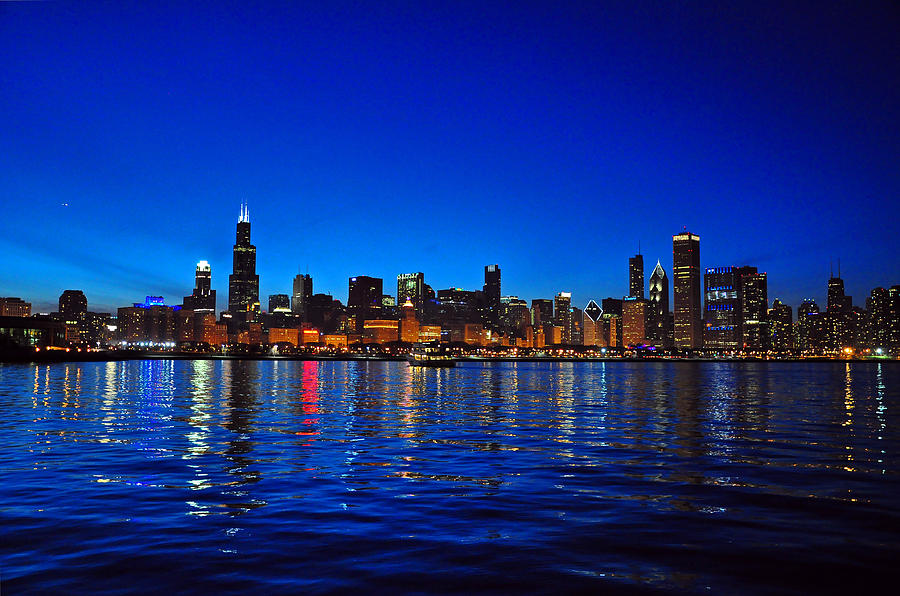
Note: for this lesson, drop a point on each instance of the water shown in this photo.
(304, 477)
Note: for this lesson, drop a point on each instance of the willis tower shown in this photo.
(243, 284)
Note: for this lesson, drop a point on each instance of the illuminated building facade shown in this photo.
(811, 325)
(381, 331)
(15, 307)
(634, 321)
(781, 321)
(203, 297)
(724, 294)
(658, 329)
(279, 335)
(243, 283)
(687, 288)
(412, 286)
(409, 322)
(754, 314)
(562, 306)
(593, 325)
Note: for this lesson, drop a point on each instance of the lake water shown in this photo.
(373, 477)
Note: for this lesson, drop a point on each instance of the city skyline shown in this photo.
(552, 140)
(247, 264)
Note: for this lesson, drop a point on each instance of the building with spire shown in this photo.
(243, 283)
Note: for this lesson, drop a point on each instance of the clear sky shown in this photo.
(383, 138)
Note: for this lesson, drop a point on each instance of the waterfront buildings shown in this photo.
(727, 290)
(634, 321)
(686, 282)
(243, 283)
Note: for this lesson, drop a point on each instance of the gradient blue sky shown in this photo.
(382, 138)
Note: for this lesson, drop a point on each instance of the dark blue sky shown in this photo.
(378, 139)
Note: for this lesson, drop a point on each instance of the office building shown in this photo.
(492, 296)
(203, 297)
(634, 322)
(592, 324)
(658, 331)
(754, 314)
(636, 276)
(562, 307)
(412, 286)
(781, 321)
(14, 307)
(687, 288)
(279, 303)
(612, 306)
(302, 295)
(364, 300)
(243, 283)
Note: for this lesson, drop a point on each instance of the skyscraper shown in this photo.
(204, 297)
(634, 321)
(658, 313)
(72, 305)
(781, 318)
(636, 276)
(686, 273)
(754, 315)
(412, 286)
(302, 295)
(243, 283)
(279, 303)
(726, 293)
(492, 295)
(563, 319)
(364, 299)
(592, 324)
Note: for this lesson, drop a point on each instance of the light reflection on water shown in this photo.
(555, 476)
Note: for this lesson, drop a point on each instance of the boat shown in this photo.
(430, 357)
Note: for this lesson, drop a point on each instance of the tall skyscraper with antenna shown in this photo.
(243, 283)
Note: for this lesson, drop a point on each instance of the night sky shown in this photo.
(382, 138)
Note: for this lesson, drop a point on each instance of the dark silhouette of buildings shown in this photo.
(364, 300)
(686, 284)
(203, 297)
(302, 295)
(492, 296)
(636, 276)
(243, 283)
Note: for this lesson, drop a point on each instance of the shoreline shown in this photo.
(58, 357)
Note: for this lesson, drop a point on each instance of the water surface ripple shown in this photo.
(288, 477)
